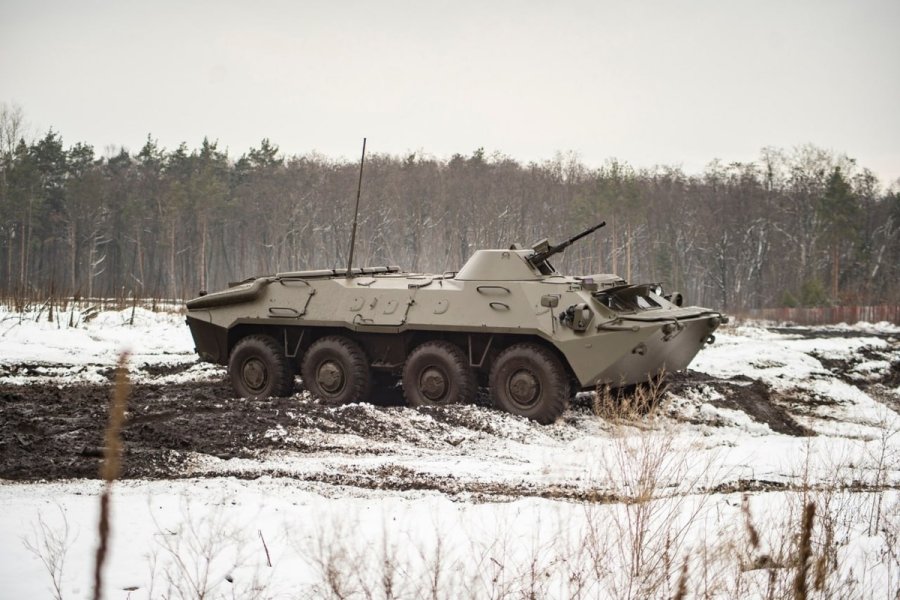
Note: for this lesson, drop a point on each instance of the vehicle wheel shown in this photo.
(336, 370)
(436, 374)
(259, 369)
(529, 380)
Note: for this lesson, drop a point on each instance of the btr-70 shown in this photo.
(506, 320)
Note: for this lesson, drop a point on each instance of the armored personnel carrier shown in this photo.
(507, 320)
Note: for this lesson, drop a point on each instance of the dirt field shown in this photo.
(770, 413)
(48, 431)
(183, 421)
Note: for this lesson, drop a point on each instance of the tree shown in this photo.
(784, 229)
(838, 214)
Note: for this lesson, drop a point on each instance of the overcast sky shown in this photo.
(660, 82)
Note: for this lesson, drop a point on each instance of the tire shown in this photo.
(336, 371)
(258, 368)
(437, 374)
(530, 381)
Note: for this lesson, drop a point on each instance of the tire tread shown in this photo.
(552, 404)
(361, 386)
(283, 375)
(458, 363)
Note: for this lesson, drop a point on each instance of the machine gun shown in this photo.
(544, 250)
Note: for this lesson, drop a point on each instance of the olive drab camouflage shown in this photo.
(507, 320)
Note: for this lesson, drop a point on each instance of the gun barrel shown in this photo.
(574, 239)
(539, 257)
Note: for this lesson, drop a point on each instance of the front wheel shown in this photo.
(530, 381)
(336, 370)
(259, 369)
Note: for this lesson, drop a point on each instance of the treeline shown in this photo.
(805, 227)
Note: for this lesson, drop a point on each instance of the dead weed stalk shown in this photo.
(631, 403)
(112, 465)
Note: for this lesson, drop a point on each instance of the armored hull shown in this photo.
(532, 335)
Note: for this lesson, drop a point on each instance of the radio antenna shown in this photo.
(362, 161)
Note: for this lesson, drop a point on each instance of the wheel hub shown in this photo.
(330, 376)
(254, 374)
(433, 383)
(524, 387)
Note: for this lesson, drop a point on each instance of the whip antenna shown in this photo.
(362, 161)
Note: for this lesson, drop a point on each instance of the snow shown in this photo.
(54, 350)
(304, 508)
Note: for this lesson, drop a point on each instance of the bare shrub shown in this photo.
(885, 458)
(331, 558)
(891, 554)
(205, 556)
(51, 546)
(660, 483)
(631, 403)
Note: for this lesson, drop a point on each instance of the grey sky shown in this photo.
(647, 82)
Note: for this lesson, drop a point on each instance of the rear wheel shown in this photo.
(336, 370)
(437, 373)
(530, 381)
(259, 369)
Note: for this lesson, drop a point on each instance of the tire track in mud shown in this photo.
(751, 396)
(396, 478)
(50, 431)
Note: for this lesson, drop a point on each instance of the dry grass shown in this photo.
(51, 546)
(205, 555)
(631, 404)
(804, 552)
(112, 465)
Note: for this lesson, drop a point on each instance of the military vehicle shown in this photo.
(507, 319)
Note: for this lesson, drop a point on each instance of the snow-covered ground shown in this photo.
(470, 502)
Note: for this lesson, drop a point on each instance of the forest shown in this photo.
(797, 227)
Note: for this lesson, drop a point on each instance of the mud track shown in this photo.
(751, 396)
(51, 430)
(48, 431)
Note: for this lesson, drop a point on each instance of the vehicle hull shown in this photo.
(392, 311)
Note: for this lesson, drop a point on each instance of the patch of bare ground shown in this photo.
(49, 431)
(753, 397)
(55, 432)
(161, 370)
(882, 384)
(52, 431)
(399, 478)
(848, 369)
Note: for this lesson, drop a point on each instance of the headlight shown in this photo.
(577, 317)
